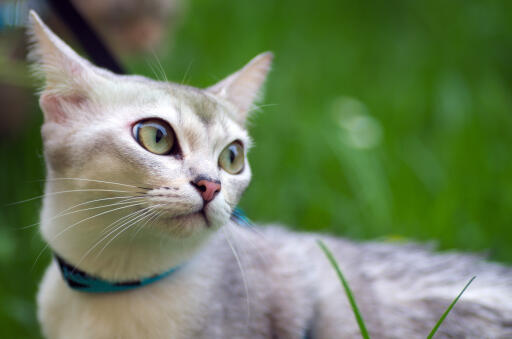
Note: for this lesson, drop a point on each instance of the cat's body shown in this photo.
(286, 289)
(143, 176)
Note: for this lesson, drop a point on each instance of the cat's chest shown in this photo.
(168, 309)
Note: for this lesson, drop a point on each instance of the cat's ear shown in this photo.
(67, 75)
(243, 87)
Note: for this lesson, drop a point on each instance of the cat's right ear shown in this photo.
(243, 87)
(68, 77)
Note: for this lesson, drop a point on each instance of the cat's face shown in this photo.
(171, 156)
(178, 147)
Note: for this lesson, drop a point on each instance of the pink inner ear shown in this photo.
(58, 108)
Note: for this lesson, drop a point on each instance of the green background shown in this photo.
(388, 120)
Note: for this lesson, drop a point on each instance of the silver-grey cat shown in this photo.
(143, 176)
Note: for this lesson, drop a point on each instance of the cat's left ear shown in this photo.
(243, 87)
(69, 79)
(53, 59)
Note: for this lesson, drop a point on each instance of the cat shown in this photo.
(143, 178)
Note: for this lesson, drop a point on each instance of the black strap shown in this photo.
(90, 41)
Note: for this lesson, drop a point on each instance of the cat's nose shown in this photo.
(208, 188)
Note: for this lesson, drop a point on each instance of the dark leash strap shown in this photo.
(85, 34)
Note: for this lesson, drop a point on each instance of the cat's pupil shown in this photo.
(159, 135)
(232, 154)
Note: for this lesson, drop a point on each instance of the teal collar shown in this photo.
(84, 282)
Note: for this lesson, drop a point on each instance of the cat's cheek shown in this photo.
(57, 147)
(235, 186)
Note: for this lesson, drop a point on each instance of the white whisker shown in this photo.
(155, 74)
(186, 72)
(124, 202)
(60, 215)
(242, 271)
(96, 180)
(120, 220)
(127, 225)
(68, 191)
(91, 217)
(249, 241)
(162, 71)
(138, 214)
(97, 200)
(155, 215)
(76, 224)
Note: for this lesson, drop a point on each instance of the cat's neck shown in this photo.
(122, 262)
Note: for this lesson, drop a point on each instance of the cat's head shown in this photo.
(171, 156)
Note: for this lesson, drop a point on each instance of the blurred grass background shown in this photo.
(387, 120)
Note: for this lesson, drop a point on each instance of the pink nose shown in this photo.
(208, 189)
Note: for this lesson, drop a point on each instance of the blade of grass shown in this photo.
(440, 321)
(350, 296)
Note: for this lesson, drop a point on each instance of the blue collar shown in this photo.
(84, 282)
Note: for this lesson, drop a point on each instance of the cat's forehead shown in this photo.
(169, 99)
(205, 107)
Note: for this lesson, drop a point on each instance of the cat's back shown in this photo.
(401, 289)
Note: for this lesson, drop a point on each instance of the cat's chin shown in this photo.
(186, 225)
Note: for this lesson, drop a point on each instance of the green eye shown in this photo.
(154, 135)
(231, 159)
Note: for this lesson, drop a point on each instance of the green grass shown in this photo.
(348, 291)
(445, 314)
(381, 119)
(353, 304)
